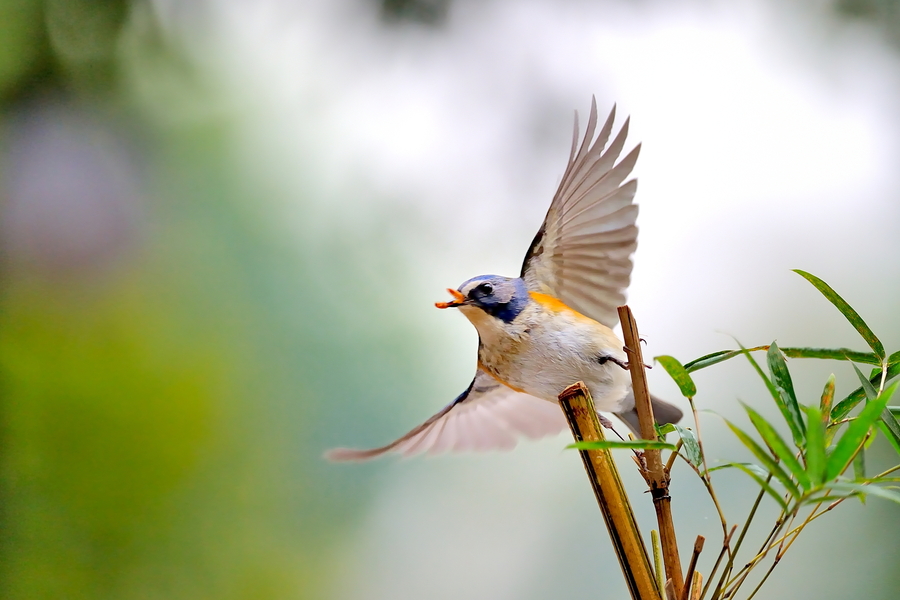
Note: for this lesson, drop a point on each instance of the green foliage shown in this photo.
(810, 469)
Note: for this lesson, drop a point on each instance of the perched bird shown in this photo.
(550, 327)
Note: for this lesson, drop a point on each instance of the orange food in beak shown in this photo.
(458, 299)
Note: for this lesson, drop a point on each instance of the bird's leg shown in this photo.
(615, 360)
(607, 424)
(626, 365)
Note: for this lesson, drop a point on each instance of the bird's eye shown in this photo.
(486, 288)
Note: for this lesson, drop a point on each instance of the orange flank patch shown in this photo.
(555, 305)
(513, 388)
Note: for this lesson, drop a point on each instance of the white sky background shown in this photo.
(770, 143)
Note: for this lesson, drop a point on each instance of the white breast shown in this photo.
(545, 351)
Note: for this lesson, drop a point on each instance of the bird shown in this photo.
(551, 326)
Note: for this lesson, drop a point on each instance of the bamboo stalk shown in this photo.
(689, 576)
(626, 538)
(654, 472)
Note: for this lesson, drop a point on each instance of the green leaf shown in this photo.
(894, 358)
(843, 408)
(767, 461)
(779, 447)
(827, 399)
(855, 434)
(715, 358)
(632, 444)
(891, 428)
(759, 475)
(781, 378)
(850, 488)
(867, 386)
(691, 446)
(868, 358)
(815, 446)
(679, 375)
(859, 465)
(663, 430)
(895, 410)
(848, 312)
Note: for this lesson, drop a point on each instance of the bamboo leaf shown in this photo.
(715, 358)
(679, 375)
(781, 378)
(868, 358)
(850, 488)
(855, 434)
(779, 447)
(843, 408)
(867, 386)
(632, 445)
(663, 430)
(895, 442)
(891, 428)
(849, 313)
(859, 465)
(759, 475)
(815, 446)
(691, 446)
(825, 406)
(767, 461)
(827, 399)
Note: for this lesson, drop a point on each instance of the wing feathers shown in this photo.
(581, 253)
(486, 416)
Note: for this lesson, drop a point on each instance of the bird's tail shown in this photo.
(663, 413)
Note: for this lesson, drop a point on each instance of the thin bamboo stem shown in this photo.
(654, 473)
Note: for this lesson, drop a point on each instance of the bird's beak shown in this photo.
(458, 299)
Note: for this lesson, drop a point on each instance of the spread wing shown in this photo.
(582, 252)
(487, 416)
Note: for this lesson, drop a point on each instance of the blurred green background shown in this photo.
(222, 225)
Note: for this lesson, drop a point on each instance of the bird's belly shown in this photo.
(551, 361)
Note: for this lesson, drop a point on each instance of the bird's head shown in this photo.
(500, 297)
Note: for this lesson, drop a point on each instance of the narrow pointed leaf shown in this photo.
(868, 358)
(815, 446)
(867, 386)
(679, 375)
(767, 461)
(895, 443)
(690, 446)
(781, 378)
(849, 313)
(843, 408)
(850, 488)
(664, 430)
(859, 465)
(894, 358)
(827, 399)
(632, 445)
(759, 475)
(855, 434)
(778, 446)
(715, 358)
(891, 428)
